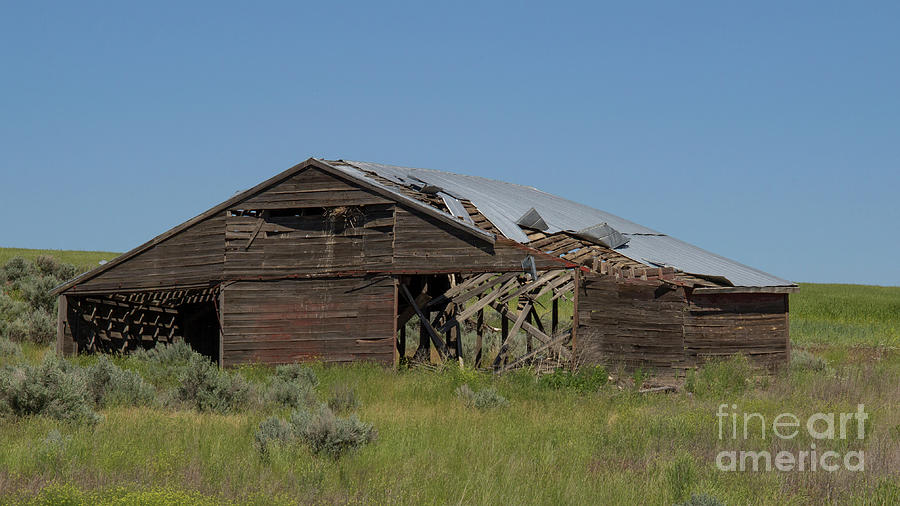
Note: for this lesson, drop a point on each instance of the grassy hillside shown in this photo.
(84, 260)
(845, 315)
(561, 439)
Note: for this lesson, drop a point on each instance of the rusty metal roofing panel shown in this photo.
(504, 203)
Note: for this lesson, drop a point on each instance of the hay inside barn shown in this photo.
(329, 260)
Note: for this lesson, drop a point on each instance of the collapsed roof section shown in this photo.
(513, 210)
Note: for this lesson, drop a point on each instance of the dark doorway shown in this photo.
(199, 324)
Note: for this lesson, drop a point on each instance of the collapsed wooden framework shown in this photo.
(314, 264)
(513, 297)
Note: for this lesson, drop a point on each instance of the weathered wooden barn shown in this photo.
(328, 260)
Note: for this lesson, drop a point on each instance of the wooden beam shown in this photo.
(747, 289)
(480, 304)
(479, 337)
(540, 336)
(259, 223)
(438, 342)
(554, 321)
(504, 347)
(558, 340)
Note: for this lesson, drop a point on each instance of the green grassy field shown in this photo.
(552, 444)
(84, 260)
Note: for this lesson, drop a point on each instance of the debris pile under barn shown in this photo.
(330, 260)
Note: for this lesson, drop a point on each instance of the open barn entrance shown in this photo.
(489, 320)
(122, 322)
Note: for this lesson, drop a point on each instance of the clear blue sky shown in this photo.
(765, 132)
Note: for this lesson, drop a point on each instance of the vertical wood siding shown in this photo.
(636, 323)
(331, 319)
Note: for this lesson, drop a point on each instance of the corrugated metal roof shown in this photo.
(503, 203)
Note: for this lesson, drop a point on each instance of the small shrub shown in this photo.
(325, 433)
(9, 348)
(50, 266)
(36, 292)
(487, 398)
(802, 360)
(178, 353)
(109, 385)
(16, 268)
(203, 386)
(297, 373)
(291, 393)
(272, 432)
(164, 363)
(680, 477)
(54, 389)
(721, 377)
(40, 327)
(343, 399)
(51, 451)
(702, 500)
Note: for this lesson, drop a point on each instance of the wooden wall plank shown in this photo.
(632, 322)
(727, 323)
(331, 319)
(193, 257)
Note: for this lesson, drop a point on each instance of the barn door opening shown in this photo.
(199, 324)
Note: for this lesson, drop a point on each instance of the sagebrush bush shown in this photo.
(487, 398)
(325, 433)
(54, 388)
(203, 386)
(803, 360)
(163, 364)
(36, 292)
(719, 377)
(178, 353)
(297, 373)
(51, 451)
(291, 393)
(50, 266)
(108, 385)
(27, 308)
(9, 348)
(40, 327)
(343, 398)
(16, 268)
(273, 431)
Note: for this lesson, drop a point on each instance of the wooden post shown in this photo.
(577, 275)
(529, 344)
(479, 336)
(554, 322)
(61, 317)
(504, 330)
(221, 309)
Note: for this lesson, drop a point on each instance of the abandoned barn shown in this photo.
(330, 260)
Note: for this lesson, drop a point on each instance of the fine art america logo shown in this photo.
(821, 427)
